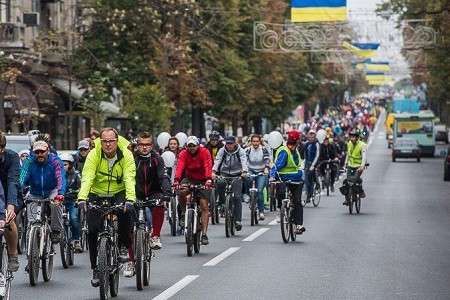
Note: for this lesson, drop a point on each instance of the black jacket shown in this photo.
(73, 183)
(151, 176)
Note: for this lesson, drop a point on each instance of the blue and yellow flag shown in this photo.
(318, 11)
(367, 50)
(370, 65)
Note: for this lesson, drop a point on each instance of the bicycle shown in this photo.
(107, 260)
(326, 177)
(193, 220)
(254, 220)
(229, 205)
(143, 253)
(352, 195)
(66, 245)
(317, 191)
(6, 276)
(172, 214)
(272, 196)
(286, 211)
(40, 246)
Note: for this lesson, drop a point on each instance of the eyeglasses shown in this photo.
(191, 146)
(109, 141)
(83, 149)
(145, 145)
(37, 152)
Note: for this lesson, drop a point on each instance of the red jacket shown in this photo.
(196, 167)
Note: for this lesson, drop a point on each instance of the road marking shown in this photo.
(255, 234)
(274, 222)
(176, 287)
(221, 257)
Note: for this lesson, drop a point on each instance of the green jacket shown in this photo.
(98, 179)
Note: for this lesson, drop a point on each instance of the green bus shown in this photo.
(419, 126)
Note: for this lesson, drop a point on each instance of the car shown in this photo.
(405, 148)
(20, 141)
(447, 165)
(441, 132)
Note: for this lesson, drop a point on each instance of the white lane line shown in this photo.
(274, 222)
(176, 287)
(221, 257)
(255, 234)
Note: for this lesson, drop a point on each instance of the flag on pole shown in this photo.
(369, 65)
(365, 50)
(318, 11)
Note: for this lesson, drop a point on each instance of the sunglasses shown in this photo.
(191, 146)
(39, 152)
(83, 149)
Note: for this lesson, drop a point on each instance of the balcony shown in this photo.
(12, 35)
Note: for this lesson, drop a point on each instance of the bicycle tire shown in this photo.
(212, 207)
(358, 203)
(197, 235)
(216, 207)
(350, 200)
(317, 193)
(148, 260)
(173, 216)
(47, 258)
(189, 232)
(284, 222)
(103, 267)
(139, 257)
(228, 217)
(18, 221)
(63, 249)
(272, 198)
(114, 270)
(83, 229)
(71, 254)
(33, 260)
(6, 273)
(328, 182)
(252, 209)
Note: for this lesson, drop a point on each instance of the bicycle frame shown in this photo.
(40, 224)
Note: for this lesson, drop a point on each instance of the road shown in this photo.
(397, 248)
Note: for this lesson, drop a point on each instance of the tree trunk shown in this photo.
(198, 122)
(257, 124)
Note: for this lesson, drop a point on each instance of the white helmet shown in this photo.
(66, 157)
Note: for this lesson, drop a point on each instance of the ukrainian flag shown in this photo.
(369, 65)
(365, 50)
(318, 11)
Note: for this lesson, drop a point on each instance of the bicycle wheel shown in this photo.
(114, 270)
(327, 181)
(190, 231)
(139, 257)
(284, 222)
(350, 200)
(18, 221)
(83, 225)
(71, 253)
(33, 259)
(272, 198)
(173, 216)
(5, 274)
(148, 260)
(47, 257)
(252, 209)
(212, 207)
(292, 226)
(228, 216)
(103, 267)
(197, 235)
(357, 203)
(216, 208)
(64, 248)
(317, 193)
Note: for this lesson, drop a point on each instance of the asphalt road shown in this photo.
(397, 248)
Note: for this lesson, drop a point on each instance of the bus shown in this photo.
(419, 126)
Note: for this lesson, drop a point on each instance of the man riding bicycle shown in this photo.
(109, 169)
(231, 161)
(287, 168)
(328, 152)
(311, 154)
(214, 144)
(355, 161)
(194, 167)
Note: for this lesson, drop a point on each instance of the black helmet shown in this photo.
(214, 135)
(354, 132)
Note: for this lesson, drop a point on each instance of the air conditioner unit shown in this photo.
(31, 19)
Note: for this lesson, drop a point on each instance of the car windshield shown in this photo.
(406, 143)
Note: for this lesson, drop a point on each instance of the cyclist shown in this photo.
(231, 161)
(214, 144)
(194, 166)
(9, 179)
(355, 160)
(44, 172)
(80, 157)
(109, 169)
(73, 183)
(173, 145)
(287, 167)
(23, 154)
(311, 154)
(328, 152)
(152, 182)
(258, 161)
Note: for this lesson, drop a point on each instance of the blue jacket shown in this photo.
(281, 162)
(9, 175)
(43, 178)
(2, 203)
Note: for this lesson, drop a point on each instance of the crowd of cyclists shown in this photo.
(107, 163)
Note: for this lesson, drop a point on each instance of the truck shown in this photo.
(405, 106)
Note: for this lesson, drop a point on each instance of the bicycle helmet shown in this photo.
(294, 135)
(354, 132)
(214, 135)
(67, 157)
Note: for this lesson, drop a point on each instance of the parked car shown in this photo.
(441, 132)
(447, 166)
(405, 148)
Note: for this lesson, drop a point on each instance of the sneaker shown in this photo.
(300, 229)
(238, 225)
(204, 240)
(261, 216)
(13, 263)
(155, 243)
(278, 217)
(129, 269)
(362, 194)
(123, 255)
(77, 247)
(182, 221)
(95, 282)
(55, 236)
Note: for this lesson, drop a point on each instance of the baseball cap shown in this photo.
(192, 140)
(40, 145)
(293, 135)
(230, 139)
(83, 144)
(311, 131)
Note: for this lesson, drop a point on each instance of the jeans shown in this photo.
(236, 188)
(261, 182)
(310, 178)
(74, 220)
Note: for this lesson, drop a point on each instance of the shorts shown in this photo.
(201, 194)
